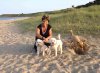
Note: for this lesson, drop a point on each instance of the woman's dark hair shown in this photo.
(45, 17)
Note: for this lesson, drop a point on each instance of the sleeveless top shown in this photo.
(46, 34)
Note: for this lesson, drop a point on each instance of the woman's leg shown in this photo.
(35, 47)
(47, 44)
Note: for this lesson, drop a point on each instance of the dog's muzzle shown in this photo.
(52, 44)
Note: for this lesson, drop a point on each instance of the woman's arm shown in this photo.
(38, 33)
(50, 34)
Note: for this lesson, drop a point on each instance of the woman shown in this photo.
(43, 31)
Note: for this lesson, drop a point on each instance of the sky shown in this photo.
(33, 6)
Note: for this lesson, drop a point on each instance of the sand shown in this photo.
(11, 21)
(17, 56)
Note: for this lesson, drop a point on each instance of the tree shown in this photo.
(97, 1)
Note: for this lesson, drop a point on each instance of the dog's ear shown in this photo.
(55, 41)
(50, 40)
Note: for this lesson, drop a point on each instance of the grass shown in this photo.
(83, 21)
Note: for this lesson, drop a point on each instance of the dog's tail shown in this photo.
(59, 37)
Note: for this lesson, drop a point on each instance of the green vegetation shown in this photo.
(83, 21)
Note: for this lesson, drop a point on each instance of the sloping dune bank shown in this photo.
(16, 55)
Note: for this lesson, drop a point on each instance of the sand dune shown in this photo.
(16, 55)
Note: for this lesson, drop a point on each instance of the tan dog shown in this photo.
(78, 43)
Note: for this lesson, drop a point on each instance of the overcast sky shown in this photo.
(33, 6)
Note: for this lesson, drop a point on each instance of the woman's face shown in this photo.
(45, 22)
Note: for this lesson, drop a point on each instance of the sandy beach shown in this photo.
(16, 55)
(12, 20)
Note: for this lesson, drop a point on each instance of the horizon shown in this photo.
(31, 6)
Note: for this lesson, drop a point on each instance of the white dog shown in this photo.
(56, 44)
(41, 47)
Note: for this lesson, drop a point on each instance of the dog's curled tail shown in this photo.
(59, 36)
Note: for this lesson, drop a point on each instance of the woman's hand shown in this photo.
(45, 40)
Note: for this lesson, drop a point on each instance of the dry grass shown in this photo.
(83, 21)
